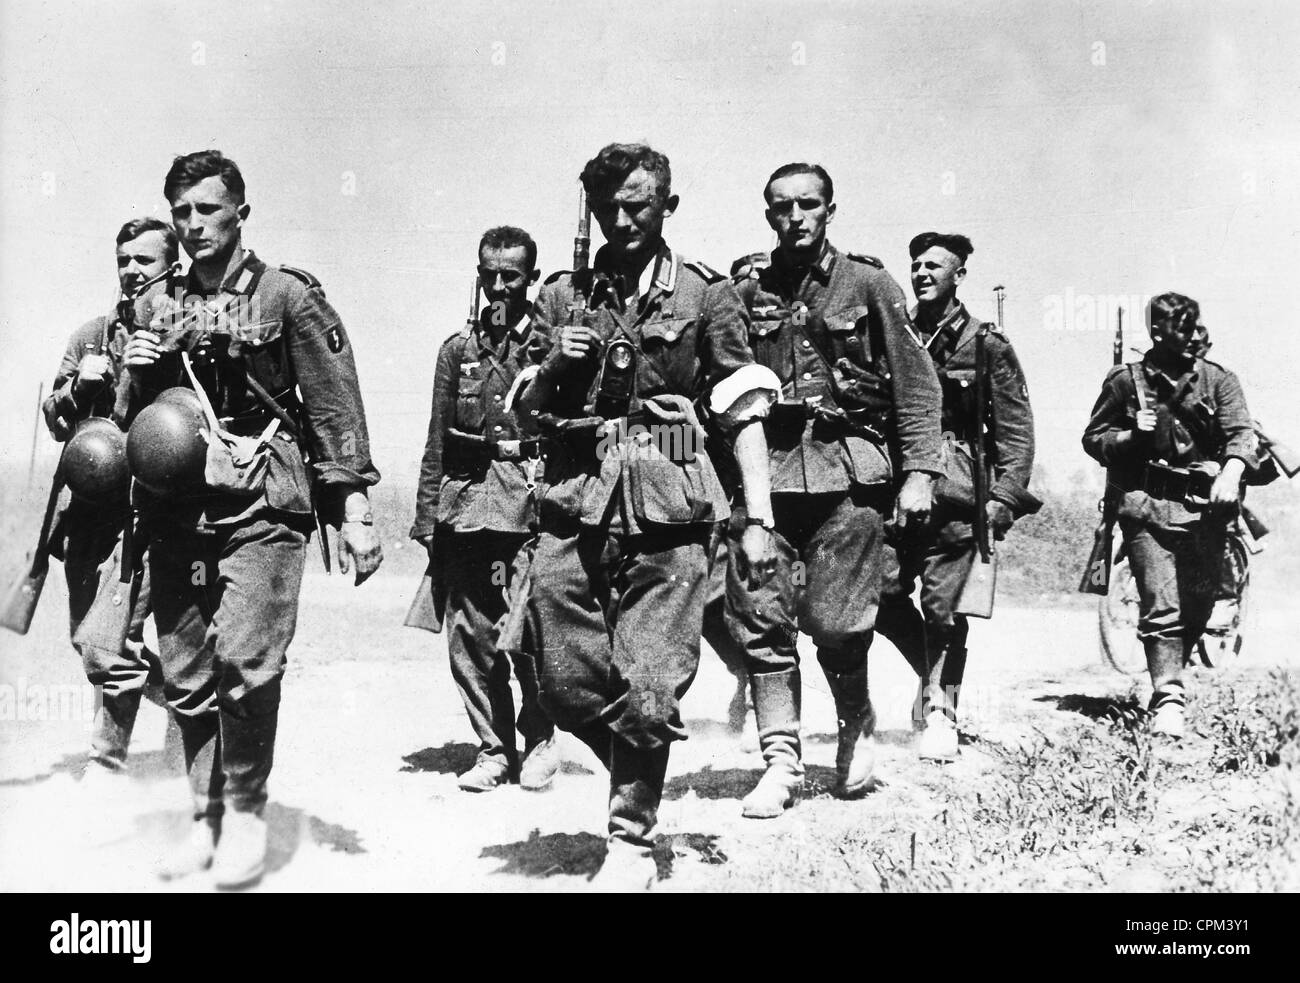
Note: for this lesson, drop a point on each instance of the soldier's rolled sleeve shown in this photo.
(725, 340)
(1108, 423)
(918, 400)
(331, 394)
(1013, 428)
(1235, 421)
(441, 416)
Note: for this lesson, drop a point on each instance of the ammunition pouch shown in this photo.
(1190, 487)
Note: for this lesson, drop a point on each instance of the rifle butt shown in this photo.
(1096, 573)
(980, 588)
(20, 600)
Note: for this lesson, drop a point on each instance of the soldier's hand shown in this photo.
(999, 517)
(577, 341)
(92, 373)
(359, 541)
(142, 350)
(1225, 493)
(60, 426)
(1146, 421)
(758, 554)
(914, 500)
(427, 542)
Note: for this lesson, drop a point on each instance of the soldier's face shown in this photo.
(798, 211)
(505, 275)
(141, 259)
(208, 219)
(936, 273)
(632, 220)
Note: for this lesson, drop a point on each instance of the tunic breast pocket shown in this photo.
(847, 329)
(664, 333)
(469, 404)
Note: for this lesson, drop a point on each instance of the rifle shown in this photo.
(1096, 573)
(24, 593)
(1287, 460)
(430, 602)
(977, 593)
(582, 241)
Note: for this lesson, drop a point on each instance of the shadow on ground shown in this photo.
(1115, 708)
(450, 759)
(573, 854)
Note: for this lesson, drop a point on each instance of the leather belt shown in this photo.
(1190, 487)
(500, 450)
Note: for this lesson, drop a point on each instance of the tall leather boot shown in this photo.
(636, 786)
(247, 753)
(855, 756)
(201, 741)
(1165, 658)
(777, 697)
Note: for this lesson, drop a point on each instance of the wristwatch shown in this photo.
(767, 524)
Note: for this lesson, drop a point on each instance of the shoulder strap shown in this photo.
(1139, 385)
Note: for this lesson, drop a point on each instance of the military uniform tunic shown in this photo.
(858, 394)
(933, 638)
(1175, 551)
(478, 498)
(622, 564)
(227, 568)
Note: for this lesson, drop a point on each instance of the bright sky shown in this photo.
(1091, 151)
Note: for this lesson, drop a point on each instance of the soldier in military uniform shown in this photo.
(833, 327)
(940, 555)
(227, 552)
(87, 532)
(1175, 433)
(476, 511)
(622, 566)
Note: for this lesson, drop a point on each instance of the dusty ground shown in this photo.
(363, 795)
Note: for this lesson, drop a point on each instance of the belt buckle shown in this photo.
(508, 450)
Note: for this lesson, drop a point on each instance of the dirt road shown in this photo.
(363, 796)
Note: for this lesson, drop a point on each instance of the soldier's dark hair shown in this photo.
(509, 237)
(189, 169)
(137, 227)
(789, 170)
(1172, 308)
(954, 242)
(606, 171)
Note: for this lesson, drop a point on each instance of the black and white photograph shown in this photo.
(703, 447)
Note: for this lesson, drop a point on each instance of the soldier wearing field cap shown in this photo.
(939, 556)
(1175, 433)
(272, 386)
(632, 501)
(89, 529)
(833, 327)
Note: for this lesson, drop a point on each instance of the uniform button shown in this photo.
(807, 375)
(496, 398)
(496, 429)
(670, 336)
(807, 343)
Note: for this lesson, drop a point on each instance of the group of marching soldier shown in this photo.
(652, 452)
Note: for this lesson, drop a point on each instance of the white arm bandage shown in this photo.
(747, 394)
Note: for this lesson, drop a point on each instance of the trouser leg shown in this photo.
(636, 786)
(945, 566)
(476, 574)
(898, 618)
(260, 570)
(184, 599)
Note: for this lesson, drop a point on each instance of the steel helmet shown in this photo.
(94, 462)
(166, 447)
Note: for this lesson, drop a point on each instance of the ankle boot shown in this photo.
(194, 853)
(240, 860)
(776, 707)
(636, 785)
(855, 756)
